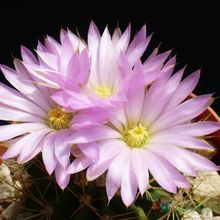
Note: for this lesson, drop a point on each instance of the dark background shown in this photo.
(190, 29)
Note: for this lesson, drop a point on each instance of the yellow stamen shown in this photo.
(136, 136)
(103, 91)
(58, 120)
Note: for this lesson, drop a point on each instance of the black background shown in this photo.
(190, 28)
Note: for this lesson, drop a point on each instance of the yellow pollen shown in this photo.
(103, 91)
(58, 120)
(136, 136)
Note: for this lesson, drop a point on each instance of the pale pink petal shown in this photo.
(93, 45)
(24, 85)
(52, 45)
(14, 150)
(77, 42)
(90, 150)
(171, 154)
(181, 141)
(104, 55)
(97, 169)
(48, 59)
(199, 128)
(116, 35)
(160, 172)
(17, 101)
(77, 69)
(165, 73)
(155, 61)
(108, 149)
(179, 179)
(92, 116)
(184, 90)
(201, 163)
(115, 173)
(28, 56)
(62, 35)
(151, 76)
(124, 39)
(85, 63)
(48, 154)
(140, 169)
(12, 114)
(138, 51)
(128, 184)
(83, 120)
(61, 148)
(79, 164)
(196, 161)
(41, 47)
(162, 92)
(183, 112)
(33, 144)
(119, 116)
(138, 46)
(14, 130)
(72, 100)
(62, 177)
(93, 133)
(67, 50)
(40, 91)
(135, 95)
(41, 79)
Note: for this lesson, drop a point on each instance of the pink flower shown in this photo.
(93, 75)
(40, 124)
(153, 133)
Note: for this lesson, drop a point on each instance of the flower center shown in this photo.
(103, 91)
(58, 120)
(136, 136)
